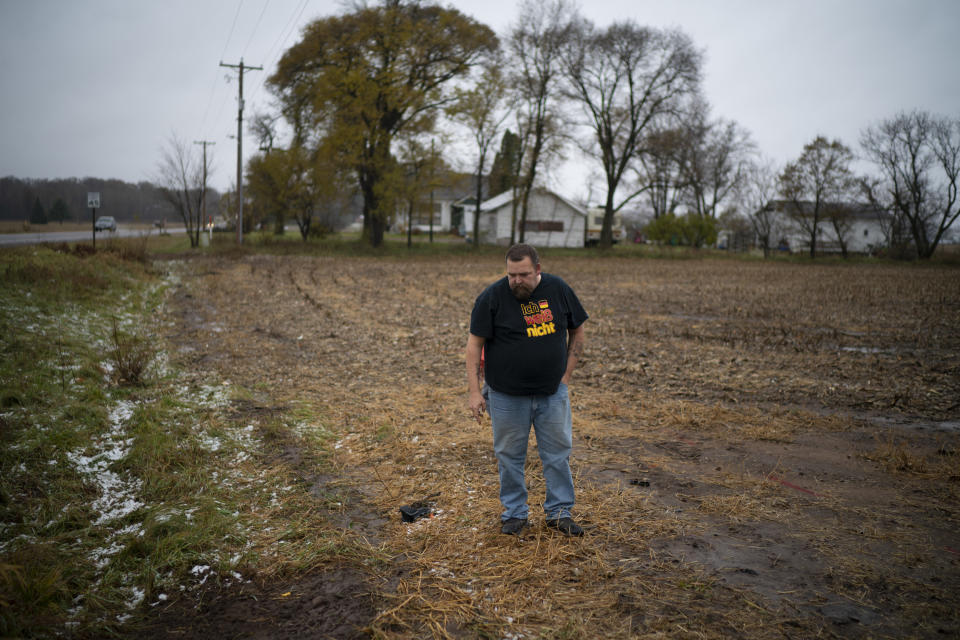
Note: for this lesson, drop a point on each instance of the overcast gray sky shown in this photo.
(95, 87)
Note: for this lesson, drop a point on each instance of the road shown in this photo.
(15, 239)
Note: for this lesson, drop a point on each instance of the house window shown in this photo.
(866, 232)
(421, 214)
(542, 225)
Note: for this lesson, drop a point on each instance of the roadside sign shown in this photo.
(93, 200)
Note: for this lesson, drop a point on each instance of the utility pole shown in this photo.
(203, 191)
(241, 68)
(432, 159)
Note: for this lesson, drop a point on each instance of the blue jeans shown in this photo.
(550, 415)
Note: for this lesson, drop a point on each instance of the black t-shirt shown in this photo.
(525, 349)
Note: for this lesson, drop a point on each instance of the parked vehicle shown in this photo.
(595, 226)
(105, 223)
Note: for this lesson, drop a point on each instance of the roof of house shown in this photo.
(852, 209)
(452, 186)
(507, 196)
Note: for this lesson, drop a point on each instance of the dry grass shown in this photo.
(896, 455)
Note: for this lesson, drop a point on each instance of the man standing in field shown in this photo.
(526, 335)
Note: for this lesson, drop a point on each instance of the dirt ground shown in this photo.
(761, 449)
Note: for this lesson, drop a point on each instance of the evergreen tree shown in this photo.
(504, 172)
(38, 215)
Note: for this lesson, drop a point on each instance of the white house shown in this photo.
(552, 221)
(862, 227)
(441, 207)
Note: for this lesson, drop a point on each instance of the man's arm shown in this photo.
(575, 341)
(475, 401)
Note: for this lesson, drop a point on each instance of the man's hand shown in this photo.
(575, 340)
(475, 401)
(477, 406)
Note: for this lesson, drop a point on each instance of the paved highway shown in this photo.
(14, 239)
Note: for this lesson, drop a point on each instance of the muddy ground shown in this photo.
(761, 449)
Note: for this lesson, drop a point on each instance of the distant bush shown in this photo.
(689, 230)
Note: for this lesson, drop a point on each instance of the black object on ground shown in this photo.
(419, 509)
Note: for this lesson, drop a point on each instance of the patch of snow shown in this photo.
(210, 443)
(117, 495)
(136, 597)
(28, 540)
(101, 557)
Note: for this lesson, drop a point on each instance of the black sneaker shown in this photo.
(566, 526)
(513, 526)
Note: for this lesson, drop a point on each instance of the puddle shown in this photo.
(866, 350)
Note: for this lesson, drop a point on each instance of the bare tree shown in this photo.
(480, 110)
(660, 169)
(536, 42)
(919, 158)
(180, 181)
(757, 192)
(714, 161)
(417, 175)
(818, 180)
(626, 77)
(895, 228)
(840, 215)
(264, 126)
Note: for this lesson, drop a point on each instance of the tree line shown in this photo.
(43, 201)
(913, 192)
(368, 99)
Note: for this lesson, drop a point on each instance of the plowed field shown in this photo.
(761, 450)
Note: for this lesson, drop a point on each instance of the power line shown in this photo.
(213, 85)
(255, 27)
(287, 29)
(280, 42)
(230, 35)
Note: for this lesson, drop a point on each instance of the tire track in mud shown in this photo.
(303, 292)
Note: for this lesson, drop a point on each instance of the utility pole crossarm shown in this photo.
(240, 69)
